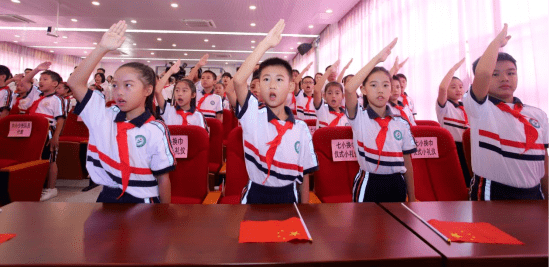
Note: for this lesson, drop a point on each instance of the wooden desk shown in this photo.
(97, 234)
(524, 220)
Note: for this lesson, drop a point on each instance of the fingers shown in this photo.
(393, 43)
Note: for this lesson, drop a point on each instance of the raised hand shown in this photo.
(114, 37)
(274, 35)
(334, 67)
(457, 65)
(309, 65)
(18, 77)
(502, 37)
(386, 51)
(348, 64)
(203, 60)
(403, 62)
(175, 68)
(43, 66)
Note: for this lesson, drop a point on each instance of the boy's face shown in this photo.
(377, 89)
(46, 84)
(403, 84)
(226, 80)
(396, 90)
(504, 80)
(61, 90)
(317, 77)
(255, 87)
(333, 97)
(275, 84)
(455, 90)
(207, 80)
(308, 86)
(219, 90)
(295, 74)
(332, 77)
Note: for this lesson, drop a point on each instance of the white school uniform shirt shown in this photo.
(211, 106)
(12, 86)
(51, 107)
(304, 112)
(410, 104)
(5, 98)
(452, 118)
(294, 156)
(325, 117)
(289, 102)
(171, 117)
(497, 142)
(70, 103)
(26, 102)
(407, 112)
(226, 104)
(148, 147)
(399, 141)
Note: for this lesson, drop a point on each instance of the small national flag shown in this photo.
(272, 231)
(6, 237)
(477, 232)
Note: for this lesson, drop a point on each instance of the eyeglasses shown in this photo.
(308, 82)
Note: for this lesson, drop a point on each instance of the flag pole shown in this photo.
(428, 224)
(303, 224)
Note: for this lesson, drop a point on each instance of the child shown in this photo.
(183, 111)
(64, 92)
(52, 107)
(128, 151)
(305, 103)
(404, 98)
(329, 114)
(226, 78)
(278, 149)
(509, 139)
(397, 106)
(255, 89)
(5, 92)
(208, 103)
(291, 101)
(451, 114)
(219, 89)
(383, 141)
(317, 77)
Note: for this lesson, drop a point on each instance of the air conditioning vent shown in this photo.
(12, 18)
(198, 23)
(222, 56)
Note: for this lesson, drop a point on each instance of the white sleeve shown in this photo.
(92, 110)
(218, 109)
(248, 114)
(308, 160)
(355, 119)
(408, 144)
(160, 150)
(475, 108)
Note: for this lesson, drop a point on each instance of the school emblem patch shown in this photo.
(534, 123)
(297, 146)
(398, 135)
(140, 140)
(212, 102)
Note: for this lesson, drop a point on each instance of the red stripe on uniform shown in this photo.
(323, 123)
(116, 165)
(383, 153)
(206, 111)
(455, 120)
(510, 143)
(274, 163)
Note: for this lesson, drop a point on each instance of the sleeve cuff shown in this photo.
(355, 113)
(474, 97)
(61, 116)
(80, 105)
(240, 112)
(410, 151)
(546, 146)
(311, 170)
(220, 112)
(162, 111)
(164, 170)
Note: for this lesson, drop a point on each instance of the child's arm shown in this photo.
(26, 81)
(341, 75)
(160, 85)
(299, 78)
(305, 189)
(54, 141)
(240, 80)
(351, 100)
(443, 89)
(319, 85)
(164, 188)
(230, 94)
(220, 117)
(195, 70)
(4, 113)
(396, 67)
(487, 64)
(408, 176)
(111, 40)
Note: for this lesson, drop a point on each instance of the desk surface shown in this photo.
(525, 220)
(159, 234)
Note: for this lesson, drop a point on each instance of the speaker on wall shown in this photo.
(304, 48)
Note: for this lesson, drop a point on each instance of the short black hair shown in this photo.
(319, 74)
(277, 62)
(226, 74)
(28, 69)
(346, 77)
(395, 77)
(53, 75)
(210, 72)
(308, 77)
(501, 56)
(327, 67)
(102, 77)
(402, 76)
(4, 70)
(256, 75)
(295, 70)
(101, 69)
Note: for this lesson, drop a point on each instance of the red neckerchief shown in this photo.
(184, 116)
(337, 118)
(402, 113)
(15, 107)
(405, 99)
(529, 130)
(275, 143)
(203, 99)
(381, 136)
(465, 114)
(307, 106)
(34, 106)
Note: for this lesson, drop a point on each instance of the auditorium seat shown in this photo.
(467, 150)
(73, 143)
(216, 134)
(236, 172)
(22, 172)
(427, 123)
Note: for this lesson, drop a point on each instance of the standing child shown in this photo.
(305, 99)
(64, 92)
(383, 141)
(329, 112)
(209, 103)
(397, 106)
(129, 152)
(451, 114)
(278, 149)
(220, 90)
(26, 91)
(404, 98)
(5, 92)
(509, 139)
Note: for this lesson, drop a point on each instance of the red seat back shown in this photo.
(334, 180)
(189, 180)
(427, 123)
(236, 171)
(74, 128)
(438, 179)
(467, 150)
(215, 144)
(23, 149)
(229, 123)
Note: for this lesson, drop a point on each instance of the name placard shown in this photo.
(179, 145)
(343, 150)
(21, 129)
(427, 147)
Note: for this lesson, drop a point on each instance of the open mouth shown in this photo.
(120, 102)
(272, 96)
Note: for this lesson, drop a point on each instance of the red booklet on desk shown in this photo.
(477, 232)
(272, 231)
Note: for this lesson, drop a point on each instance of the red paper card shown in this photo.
(474, 232)
(6, 237)
(272, 231)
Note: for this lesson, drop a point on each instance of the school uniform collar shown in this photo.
(341, 110)
(372, 114)
(290, 117)
(138, 121)
(191, 109)
(42, 94)
(394, 104)
(204, 92)
(497, 101)
(456, 105)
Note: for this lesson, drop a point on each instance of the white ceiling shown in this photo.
(158, 15)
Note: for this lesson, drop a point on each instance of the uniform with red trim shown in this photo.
(70, 103)
(273, 175)
(174, 115)
(403, 111)
(508, 152)
(380, 148)
(5, 98)
(50, 107)
(133, 152)
(209, 104)
(291, 102)
(408, 102)
(19, 105)
(328, 117)
(305, 106)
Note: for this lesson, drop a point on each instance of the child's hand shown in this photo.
(387, 50)
(334, 66)
(203, 60)
(43, 66)
(274, 36)
(502, 37)
(457, 65)
(54, 143)
(348, 64)
(114, 38)
(403, 62)
(175, 68)
(309, 65)
(18, 77)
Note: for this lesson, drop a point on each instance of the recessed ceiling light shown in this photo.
(185, 54)
(64, 37)
(74, 20)
(159, 39)
(174, 45)
(298, 43)
(152, 53)
(252, 7)
(311, 26)
(329, 11)
(226, 63)
(252, 46)
(16, 1)
(206, 40)
(51, 51)
(134, 44)
(253, 24)
(122, 60)
(133, 21)
(55, 42)
(15, 41)
(174, 5)
(285, 56)
(292, 48)
(95, 43)
(17, 35)
(213, 46)
(253, 41)
(148, 61)
(95, 3)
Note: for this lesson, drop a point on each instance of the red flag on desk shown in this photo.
(272, 231)
(477, 232)
(6, 237)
